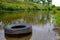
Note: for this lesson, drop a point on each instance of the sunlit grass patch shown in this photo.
(57, 17)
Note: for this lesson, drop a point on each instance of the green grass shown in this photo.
(16, 5)
(57, 17)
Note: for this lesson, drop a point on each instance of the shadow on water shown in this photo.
(17, 35)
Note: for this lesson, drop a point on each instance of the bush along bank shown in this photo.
(26, 6)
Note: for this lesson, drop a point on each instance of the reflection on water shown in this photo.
(18, 37)
(42, 31)
(25, 16)
(2, 36)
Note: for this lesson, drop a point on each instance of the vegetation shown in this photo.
(57, 17)
(26, 5)
(13, 5)
(56, 13)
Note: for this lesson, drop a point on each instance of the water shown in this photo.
(43, 32)
(2, 35)
(39, 32)
(42, 28)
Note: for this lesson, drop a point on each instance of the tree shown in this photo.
(43, 2)
(38, 1)
(49, 2)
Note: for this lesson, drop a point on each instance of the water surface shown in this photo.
(42, 26)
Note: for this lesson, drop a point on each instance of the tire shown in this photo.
(18, 29)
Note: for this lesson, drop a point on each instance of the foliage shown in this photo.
(22, 6)
(14, 5)
(57, 17)
(49, 2)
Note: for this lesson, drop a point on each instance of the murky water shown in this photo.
(39, 32)
(2, 35)
(42, 30)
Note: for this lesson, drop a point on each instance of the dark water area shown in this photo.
(19, 37)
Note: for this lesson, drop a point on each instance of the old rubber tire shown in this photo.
(18, 29)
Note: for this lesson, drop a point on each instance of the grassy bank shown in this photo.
(57, 17)
(56, 13)
(21, 6)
